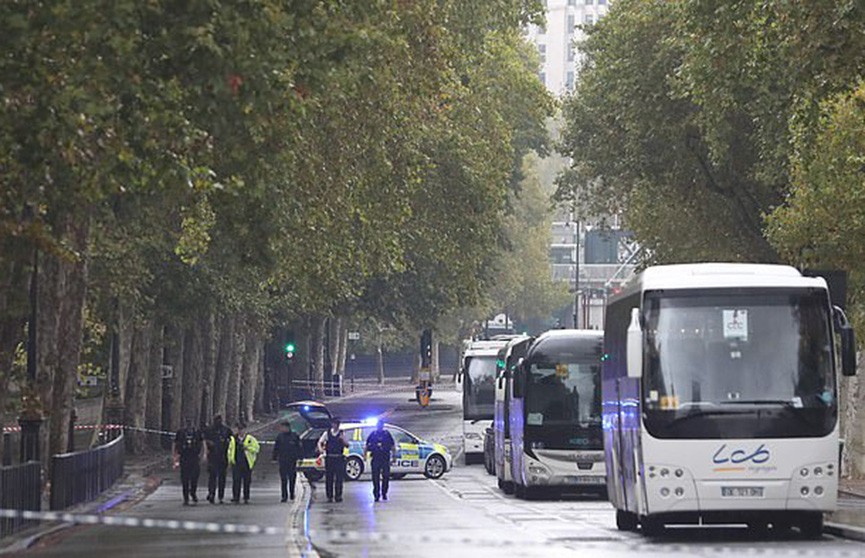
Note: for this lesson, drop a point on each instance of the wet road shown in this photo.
(461, 514)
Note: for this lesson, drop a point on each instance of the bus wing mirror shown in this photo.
(517, 380)
(635, 346)
(848, 343)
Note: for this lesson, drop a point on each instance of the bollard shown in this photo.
(7, 449)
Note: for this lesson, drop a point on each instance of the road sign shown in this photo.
(353, 335)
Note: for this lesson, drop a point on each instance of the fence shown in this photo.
(81, 476)
(20, 489)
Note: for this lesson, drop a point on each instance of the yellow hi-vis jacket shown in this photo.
(250, 446)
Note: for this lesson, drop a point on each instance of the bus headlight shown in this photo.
(537, 445)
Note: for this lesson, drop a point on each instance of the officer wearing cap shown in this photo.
(381, 445)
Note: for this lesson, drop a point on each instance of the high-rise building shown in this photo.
(558, 41)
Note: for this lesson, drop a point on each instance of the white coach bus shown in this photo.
(720, 397)
(507, 359)
(477, 381)
(555, 414)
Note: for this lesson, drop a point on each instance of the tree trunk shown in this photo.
(14, 309)
(380, 360)
(232, 404)
(208, 350)
(343, 348)
(300, 377)
(852, 396)
(50, 285)
(136, 387)
(224, 356)
(435, 372)
(174, 355)
(193, 361)
(260, 384)
(153, 415)
(334, 325)
(71, 333)
(318, 332)
(249, 377)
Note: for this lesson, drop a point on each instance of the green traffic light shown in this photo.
(289, 348)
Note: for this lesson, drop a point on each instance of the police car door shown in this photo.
(407, 454)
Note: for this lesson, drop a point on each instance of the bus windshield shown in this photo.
(743, 364)
(479, 388)
(563, 401)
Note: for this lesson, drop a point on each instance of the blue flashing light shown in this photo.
(371, 421)
(306, 407)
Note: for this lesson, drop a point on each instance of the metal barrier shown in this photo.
(82, 476)
(20, 489)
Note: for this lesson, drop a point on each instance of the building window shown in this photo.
(572, 2)
(543, 78)
(542, 49)
(569, 81)
(589, 19)
(571, 24)
(588, 2)
(570, 54)
(602, 2)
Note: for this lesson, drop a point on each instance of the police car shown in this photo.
(413, 455)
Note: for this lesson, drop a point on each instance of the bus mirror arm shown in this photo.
(848, 343)
(635, 346)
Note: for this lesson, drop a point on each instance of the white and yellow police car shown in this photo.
(413, 455)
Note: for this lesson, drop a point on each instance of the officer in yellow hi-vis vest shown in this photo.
(242, 450)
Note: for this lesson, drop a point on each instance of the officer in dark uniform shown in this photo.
(217, 460)
(287, 450)
(188, 444)
(331, 444)
(381, 445)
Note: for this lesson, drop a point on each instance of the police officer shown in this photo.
(287, 450)
(381, 445)
(242, 451)
(217, 459)
(188, 443)
(331, 444)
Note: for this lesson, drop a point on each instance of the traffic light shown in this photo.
(289, 351)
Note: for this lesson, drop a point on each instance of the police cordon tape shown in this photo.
(313, 535)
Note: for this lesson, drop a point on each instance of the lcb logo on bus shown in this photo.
(736, 456)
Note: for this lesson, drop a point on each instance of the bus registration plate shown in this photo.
(742, 491)
(585, 479)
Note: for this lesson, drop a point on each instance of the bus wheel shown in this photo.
(652, 527)
(626, 521)
(520, 491)
(811, 525)
(506, 487)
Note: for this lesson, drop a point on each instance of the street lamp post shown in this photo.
(576, 273)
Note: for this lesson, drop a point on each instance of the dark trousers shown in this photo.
(288, 475)
(189, 473)
(380, 477)
(216, 479)
(240, 475)
(334, 470)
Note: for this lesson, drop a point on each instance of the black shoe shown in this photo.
(210, 498)
(339, 499)
(329, 499)
(235, 500)
(220, 501)
(246, 500)
(195, 498)
(376, 498)
(292, 496)
(186, 502)
(384, 497)
(284, 499)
